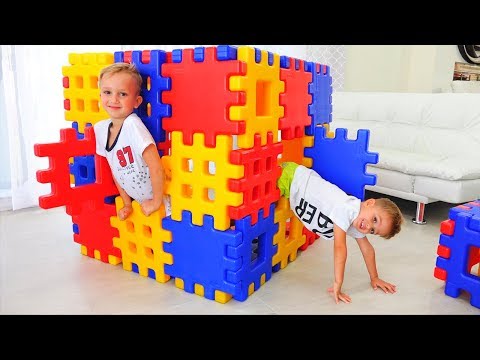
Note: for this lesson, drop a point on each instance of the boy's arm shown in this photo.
(157, 177)
(339, 260)
(368, 253)
(124, 212)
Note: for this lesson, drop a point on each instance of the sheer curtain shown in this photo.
(31, 109)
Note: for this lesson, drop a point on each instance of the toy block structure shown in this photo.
(224, 118)
(459, 252)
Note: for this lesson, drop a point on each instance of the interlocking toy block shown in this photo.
(141, 240)
(259, 185)
(288, 238)
(220, 265)
(262, 87)
(200, 178)
(164, 146)
(259, 270)
(152, 110)
(343, 161)
(226, 91)
(82, 168)
(293, 150)
(92, 230)
(81, 92)
(58, 174)
(310, 238)
(200, 96)
(459, 251)
(296, 98)
(321, 90)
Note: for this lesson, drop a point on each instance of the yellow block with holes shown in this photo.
(287, 245)
(198, 178)
(141, 241)
(82, 91)
(262, 86)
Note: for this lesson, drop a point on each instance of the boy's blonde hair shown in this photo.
(395, 214)
(123, 67)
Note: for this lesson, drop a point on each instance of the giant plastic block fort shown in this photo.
(224, 119)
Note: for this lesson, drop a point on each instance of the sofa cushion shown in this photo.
(435, 124)
(453, 167)
(454, 192)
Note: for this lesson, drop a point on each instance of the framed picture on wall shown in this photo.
(466, 72)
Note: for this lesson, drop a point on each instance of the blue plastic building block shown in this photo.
(465, 238)
(151, 70)
(83, 167)
(343, 161)
(221, 260)
(321, 90)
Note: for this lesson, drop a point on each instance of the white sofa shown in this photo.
(428, 144)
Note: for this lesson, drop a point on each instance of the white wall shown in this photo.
(400, 68)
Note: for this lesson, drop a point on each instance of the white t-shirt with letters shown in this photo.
(125, 155)
(318, 204)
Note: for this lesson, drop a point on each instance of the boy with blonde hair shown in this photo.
(329, 212)
(126, 143)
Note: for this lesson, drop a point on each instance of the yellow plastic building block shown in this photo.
(81, 92)
(141, 241)
(200, 177)
(262, 86)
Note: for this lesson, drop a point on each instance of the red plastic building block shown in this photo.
(200, 97)
(310, 238)
(96, 233)
(295, 100)
(58, 173)
(259, 185)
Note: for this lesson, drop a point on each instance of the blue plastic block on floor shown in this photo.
(202, 255)
(221, 260)
(466, 235)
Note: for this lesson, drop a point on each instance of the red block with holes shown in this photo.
(85, 203)
(295, 100)
(259, 185)
(58, 174)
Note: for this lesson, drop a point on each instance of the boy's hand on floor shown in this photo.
(385, 286)
(338, 295)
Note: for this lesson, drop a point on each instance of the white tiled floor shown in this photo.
(43, 272)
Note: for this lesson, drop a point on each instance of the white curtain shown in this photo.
(31, 109)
